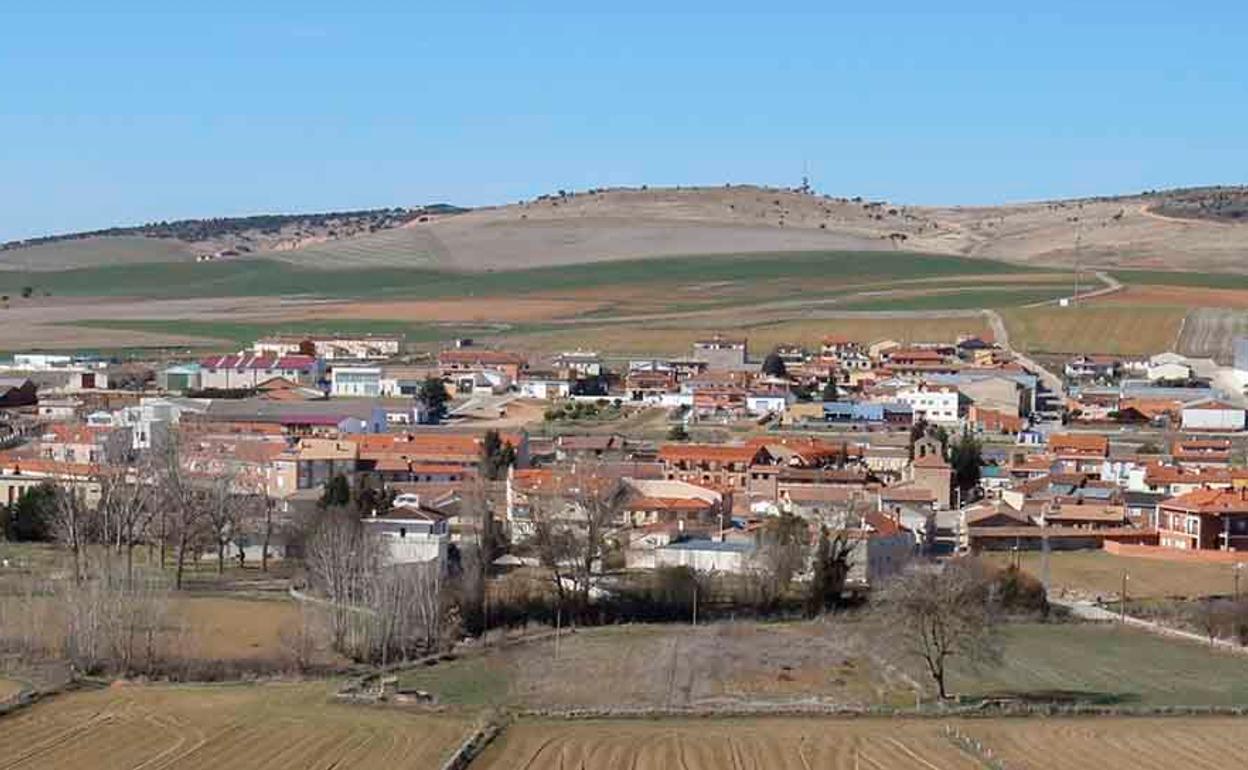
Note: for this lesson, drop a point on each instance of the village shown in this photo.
(917, 450)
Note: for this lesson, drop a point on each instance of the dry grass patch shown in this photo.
(665, 666)
(239, 727)
(1099, 328)
(1088, 574)
(676, 339)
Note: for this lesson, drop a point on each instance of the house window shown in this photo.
(402, 531)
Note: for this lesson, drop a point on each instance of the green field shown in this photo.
(963, 299)
(269, 277)
(1107, 664)
(1171, 278)
(245, 333)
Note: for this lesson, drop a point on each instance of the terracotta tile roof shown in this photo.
(723, 453)
(1080, 444)
(1089, 513)
(1213, 502)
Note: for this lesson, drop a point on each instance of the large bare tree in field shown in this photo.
(572, 521)
(938, 614)
(126, 507)
(182, 500)
(73, 519)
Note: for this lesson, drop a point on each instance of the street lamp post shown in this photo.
(1235, 571)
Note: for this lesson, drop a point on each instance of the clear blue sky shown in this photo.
(119, 113)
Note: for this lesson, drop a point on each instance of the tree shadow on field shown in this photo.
(1062, 697)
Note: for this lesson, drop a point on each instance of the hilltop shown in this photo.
(1202, 229)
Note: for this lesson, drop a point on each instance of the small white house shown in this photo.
(1213, 416)
(410, 533)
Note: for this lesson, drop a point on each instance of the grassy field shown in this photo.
(1088, 574)
(268, 277)
(671, 338)
(1109, 664)
(86, 252)
(661, 666)
(239, 727)
(1112, 329)
(962, 299)
(246, 333)
(1200, 279)
(839, 663)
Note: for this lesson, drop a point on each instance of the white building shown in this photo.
(730, 556)
(355, 381)
(1213, 416)
(1168, 366)
(410, 533)
(767, 403)
(938, 405)
(544, 388)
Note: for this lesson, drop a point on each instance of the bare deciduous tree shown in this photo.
(571, 525)
(937, 614)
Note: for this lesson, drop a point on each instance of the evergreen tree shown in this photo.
(773, 365)
(337, 492)
(434, 396)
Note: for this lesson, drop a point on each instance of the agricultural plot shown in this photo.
(666, 666)
(240, 726)
(1204, 743)
(395, 247)
(674, 338)
(1089, 574)
(93, 252)
(755, 744)
(1094, 328)
(896, 744)
(1105, 663)
(1210, 332)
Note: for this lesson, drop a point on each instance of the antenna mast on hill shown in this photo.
(805, 176)
(1078, 244)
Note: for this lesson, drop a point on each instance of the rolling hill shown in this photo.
(1196, 229)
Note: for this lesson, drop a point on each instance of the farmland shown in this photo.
(790, 744)
(1209, 333)
(1106, 664)
(1088, 574)
(90, 252)
(1095, 328)
(669, 666)
(1151, 744)
(838, 663)
(239, 726)
(673, 338)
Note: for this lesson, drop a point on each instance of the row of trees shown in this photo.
(157, 500)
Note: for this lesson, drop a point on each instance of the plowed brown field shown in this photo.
(778, 744)
(894, 744)
(238, 727)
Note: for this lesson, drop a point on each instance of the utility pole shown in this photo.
(1078, 243)
(695, 604)
(1122, 602)
(558, 627)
